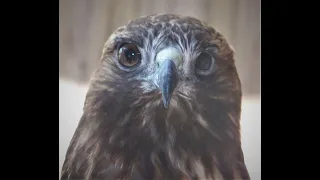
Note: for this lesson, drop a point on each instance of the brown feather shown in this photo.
(126, 133)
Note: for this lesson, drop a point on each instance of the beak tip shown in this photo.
(165, 103)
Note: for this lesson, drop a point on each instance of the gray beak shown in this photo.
(167, 81)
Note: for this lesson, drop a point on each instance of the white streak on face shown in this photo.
(199, 170)
(217, 174)
(204, 124)
(216, 171)
(147, 86)
(230, 134)
(232, 118)
(174, 105)
(187, 90)
(178, 162)
(169, 53)
(202, 121)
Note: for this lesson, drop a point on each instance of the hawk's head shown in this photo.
(165, 102)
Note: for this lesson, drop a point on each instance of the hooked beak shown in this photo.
(167, 81)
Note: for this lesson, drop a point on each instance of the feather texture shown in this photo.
(126, 133)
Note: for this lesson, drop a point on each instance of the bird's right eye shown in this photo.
(129, 55)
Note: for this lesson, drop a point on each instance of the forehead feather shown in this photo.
(170, 27)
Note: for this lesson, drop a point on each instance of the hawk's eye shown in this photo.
(204, 62)
(129, 55)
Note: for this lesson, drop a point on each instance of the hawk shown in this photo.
(164, 104)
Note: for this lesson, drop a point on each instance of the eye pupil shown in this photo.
(204, 61)
(129, 55)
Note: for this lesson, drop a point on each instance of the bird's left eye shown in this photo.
(129, 55)
(203, 63)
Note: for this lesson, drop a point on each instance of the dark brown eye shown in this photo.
(129, 55)
(204, 61)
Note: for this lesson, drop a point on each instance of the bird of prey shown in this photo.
(164, 104)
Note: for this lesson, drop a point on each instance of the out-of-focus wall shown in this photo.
(86, 24)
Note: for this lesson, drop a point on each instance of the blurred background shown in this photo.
(85, 25)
